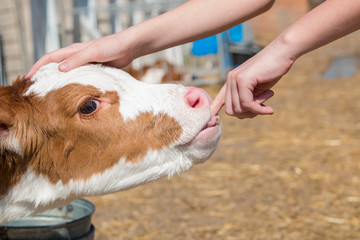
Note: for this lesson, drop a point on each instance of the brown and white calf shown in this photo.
(92, 131)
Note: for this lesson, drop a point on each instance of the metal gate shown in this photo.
(2, 64)
(61, 23)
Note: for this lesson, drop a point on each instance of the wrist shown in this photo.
(149, 36)
(134, 43)
(288, 47)
(131, 42)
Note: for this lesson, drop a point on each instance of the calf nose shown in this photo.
(197, 98)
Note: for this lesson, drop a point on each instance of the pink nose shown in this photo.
(197, 98)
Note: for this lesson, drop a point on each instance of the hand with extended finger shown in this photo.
(248, 86)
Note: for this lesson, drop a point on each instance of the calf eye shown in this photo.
(90, 106)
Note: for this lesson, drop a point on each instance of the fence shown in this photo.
(60, 23)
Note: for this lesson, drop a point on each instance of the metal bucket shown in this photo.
(71, 222)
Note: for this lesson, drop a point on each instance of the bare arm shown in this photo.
(193, 20)
(331, 20)
(248, 86)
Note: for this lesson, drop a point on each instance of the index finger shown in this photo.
(56, 56)
(47, 58)
(218, 102)
(42, 61)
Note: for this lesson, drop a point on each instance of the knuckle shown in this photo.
(239, 77)
(232, 75)
(229, 75)
(245, 104)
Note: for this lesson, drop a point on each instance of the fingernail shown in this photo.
(64, 66)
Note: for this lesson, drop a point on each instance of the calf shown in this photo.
(93, 131)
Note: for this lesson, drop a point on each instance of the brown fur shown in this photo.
(12, 166)
(61, 144)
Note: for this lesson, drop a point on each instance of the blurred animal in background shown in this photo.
(161, 71)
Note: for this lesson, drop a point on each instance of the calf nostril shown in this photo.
(196, 103)
(193, 98)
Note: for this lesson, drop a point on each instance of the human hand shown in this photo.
(113, 50)
(248, 86)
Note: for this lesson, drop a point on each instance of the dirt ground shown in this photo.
(293, 175)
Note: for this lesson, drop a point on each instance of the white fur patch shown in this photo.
(35, 193)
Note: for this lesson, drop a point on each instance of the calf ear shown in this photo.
(7, 142)
(4, 130)
(5, 122)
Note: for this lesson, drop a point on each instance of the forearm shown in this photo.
(191, 21)
(330, 21)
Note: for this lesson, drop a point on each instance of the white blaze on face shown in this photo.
(135, 97)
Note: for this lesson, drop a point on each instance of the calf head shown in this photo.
(92, 131)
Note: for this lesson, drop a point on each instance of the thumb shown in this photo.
(218, 102)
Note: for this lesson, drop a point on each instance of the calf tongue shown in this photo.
(212, 121)
(213, 118)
